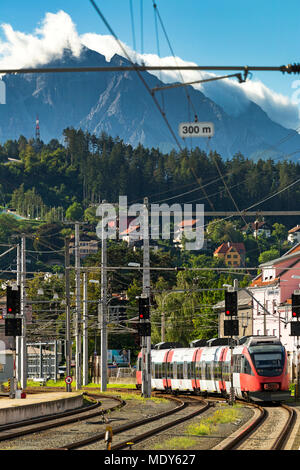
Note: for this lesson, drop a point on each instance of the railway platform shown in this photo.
(13, 410)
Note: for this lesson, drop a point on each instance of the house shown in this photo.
(272, 290)
(188, 229)
(244, 314)
(131, 235)
(258, 228)
(233, 254)
(294, 234)
(87, 245)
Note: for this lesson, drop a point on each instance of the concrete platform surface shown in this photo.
(18, 409)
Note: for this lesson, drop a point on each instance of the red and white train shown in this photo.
(258, 364)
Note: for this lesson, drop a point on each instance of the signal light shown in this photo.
(13, 300)
(144, 308)
(295, 305)
(231, 304)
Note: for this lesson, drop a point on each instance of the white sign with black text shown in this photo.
(196, 129)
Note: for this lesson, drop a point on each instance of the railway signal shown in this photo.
(13, 300)
(13, 327)
(296, 304)
(144, 308)
(231, 304)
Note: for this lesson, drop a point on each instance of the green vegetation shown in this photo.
(205, 427)
(54, 182)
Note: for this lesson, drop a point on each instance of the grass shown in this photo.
(176, 443)
(204, 428)
(209, 425)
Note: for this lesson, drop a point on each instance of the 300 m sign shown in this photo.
(196, 129)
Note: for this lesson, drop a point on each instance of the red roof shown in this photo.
(295, 229)
(130, 230)
(187, 223)
(239, 247)
(258, 282)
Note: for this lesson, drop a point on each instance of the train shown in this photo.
(254, 367)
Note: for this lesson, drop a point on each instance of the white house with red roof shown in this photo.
(183, 227)
(273, 289)
(294, 234)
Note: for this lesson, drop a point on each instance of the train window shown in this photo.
(203, 368)
(207, 371)
(237, 363)
(217, 370)
(170, 370)
(190, 370)
(246, 368)
(268, 362)
(179, 370)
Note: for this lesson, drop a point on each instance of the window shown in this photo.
(246, 368)
(179, 370)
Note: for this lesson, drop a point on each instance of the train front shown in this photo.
(270, 380)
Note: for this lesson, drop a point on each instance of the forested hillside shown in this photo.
(49, 178)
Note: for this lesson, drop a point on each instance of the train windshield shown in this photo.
(268, 363)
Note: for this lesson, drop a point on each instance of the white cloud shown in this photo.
(57, 32)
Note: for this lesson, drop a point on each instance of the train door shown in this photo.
(222, 379)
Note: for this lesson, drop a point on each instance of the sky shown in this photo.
(219, 32)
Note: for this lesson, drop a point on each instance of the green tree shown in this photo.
(74, 212)
(268, 255)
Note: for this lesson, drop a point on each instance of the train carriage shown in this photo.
(257, 367)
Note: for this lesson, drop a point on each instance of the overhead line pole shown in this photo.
(68, 351)
(23, 314)
(146, 340)
(103, 310)
(78, 309)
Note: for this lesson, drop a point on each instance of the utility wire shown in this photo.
(136, 68)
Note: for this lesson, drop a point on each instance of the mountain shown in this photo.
(119, 104)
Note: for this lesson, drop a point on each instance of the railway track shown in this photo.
(96, 408)
(268, 430)
(137, 431)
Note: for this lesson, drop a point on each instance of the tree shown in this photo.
(268, 255)
(280, 232)
(74, 212)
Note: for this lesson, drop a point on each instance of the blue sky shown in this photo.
(219, 32)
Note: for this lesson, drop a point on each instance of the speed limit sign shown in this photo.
(68, 380)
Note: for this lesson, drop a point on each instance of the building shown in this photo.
(186, 229)
(131, 235)
(244, 314)
(258, 228)
(272, 290)
(294, 234)
(233, 254)
(87, 245)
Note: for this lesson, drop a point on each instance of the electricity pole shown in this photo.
(68, 312)
(78, 311)
(23, 314)
(85, 330)
(146, 340)
(103, 310)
